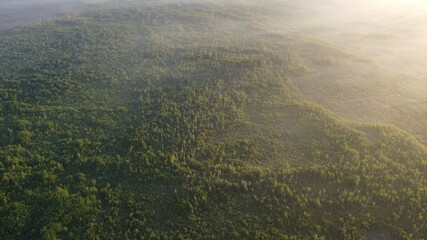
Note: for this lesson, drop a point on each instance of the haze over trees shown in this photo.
(183, 120)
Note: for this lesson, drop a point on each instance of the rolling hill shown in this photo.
(190, 121)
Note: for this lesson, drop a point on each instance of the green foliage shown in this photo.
(144, 123)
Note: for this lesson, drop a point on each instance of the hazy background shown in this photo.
(20, 12)
(15, 13)
(393, 32)
(390, 36)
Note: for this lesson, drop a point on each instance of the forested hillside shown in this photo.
(182, 122)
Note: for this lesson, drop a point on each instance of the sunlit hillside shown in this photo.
(210, 120)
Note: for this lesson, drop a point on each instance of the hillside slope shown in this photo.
(149, 122)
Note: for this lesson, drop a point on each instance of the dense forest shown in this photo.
(165, 122)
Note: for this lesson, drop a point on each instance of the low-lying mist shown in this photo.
(389, 34)
(366, 60)
(392, 32)
(14, 13)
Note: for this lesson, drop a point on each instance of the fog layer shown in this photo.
(392, 32)
(389, 34)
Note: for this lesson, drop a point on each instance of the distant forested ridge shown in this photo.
(162, 122)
